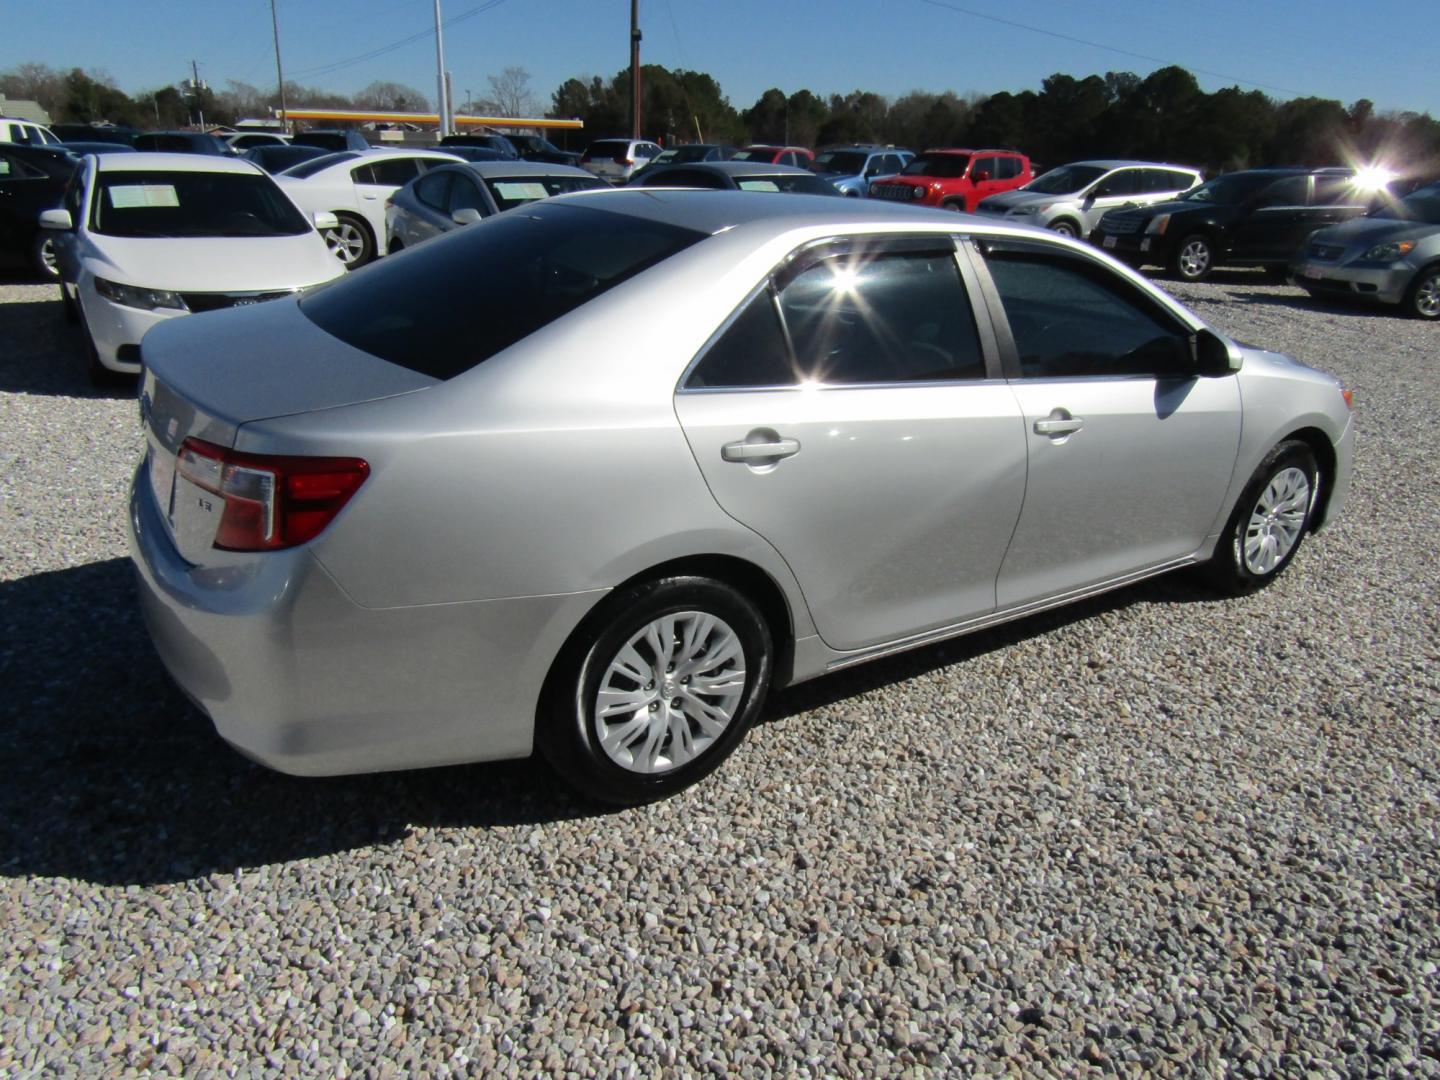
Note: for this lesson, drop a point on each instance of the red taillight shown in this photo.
(626, 161)
(270, 501)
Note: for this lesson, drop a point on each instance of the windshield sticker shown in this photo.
(130, 196)
(759, 185)
(520, 190)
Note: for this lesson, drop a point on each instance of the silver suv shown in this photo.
(1073, 198)
(617, 160)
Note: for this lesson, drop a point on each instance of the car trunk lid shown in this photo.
(207, 375)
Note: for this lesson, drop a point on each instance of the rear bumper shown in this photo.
(1384, 284)
(297, 676)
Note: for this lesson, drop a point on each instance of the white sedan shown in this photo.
(145, 237)
(353, 185)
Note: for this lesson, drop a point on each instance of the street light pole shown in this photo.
(279, 74)
(444, 109)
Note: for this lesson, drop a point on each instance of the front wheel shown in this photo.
(1193, 259)
(1269, 522)
(1423, 297)
(1065, 228)
(47, 264)
(657, 689)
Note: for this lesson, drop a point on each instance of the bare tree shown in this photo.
(391, 96)
(510, 94)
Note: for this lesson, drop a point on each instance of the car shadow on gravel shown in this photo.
(108, 774)
(1327, 305)
(44, 354)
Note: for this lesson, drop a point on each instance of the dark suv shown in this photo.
(1261, 217)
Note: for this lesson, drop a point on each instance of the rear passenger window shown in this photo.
(1337, 191)
(434, 191)
(1292, 191)
(1120, 183)
(1007, 168)
(1167, 180)
(750, 353)
(1072, 318)
(882, 318)
(396, 172)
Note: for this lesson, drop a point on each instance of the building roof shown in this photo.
(20, 109)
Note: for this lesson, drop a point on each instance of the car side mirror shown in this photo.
(56, 219)
(466, 215)
(1212, 355)
(324, 220)
(981, 175)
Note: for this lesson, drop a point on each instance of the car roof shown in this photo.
(521, 168)
(174, 163)
(1127, 163)
(730, 168)
(719, 211)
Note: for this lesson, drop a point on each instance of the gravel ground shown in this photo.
(1156, 833)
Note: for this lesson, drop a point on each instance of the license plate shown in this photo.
(1145, 244)
(162, 478)
(1312, 273)
(1108, 242)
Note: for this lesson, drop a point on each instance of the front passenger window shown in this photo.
(1072, 318)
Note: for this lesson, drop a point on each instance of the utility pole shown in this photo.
(634, 68)
(196, 86)
(279, 74)
(444, 109)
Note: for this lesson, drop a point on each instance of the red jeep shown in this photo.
(954, 179)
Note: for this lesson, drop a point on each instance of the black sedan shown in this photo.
(736, 176)
(32, 179)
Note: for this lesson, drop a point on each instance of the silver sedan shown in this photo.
(589, 478)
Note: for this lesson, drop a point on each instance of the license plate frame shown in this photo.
(1108, 242)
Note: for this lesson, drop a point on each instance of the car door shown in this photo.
(1110, 193)
(1129, 452)
(20, 187)
(1333, 199)
(852, 414)
(1273, 223)
(375, 182)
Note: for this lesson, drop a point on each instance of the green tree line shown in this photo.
(1163, 116)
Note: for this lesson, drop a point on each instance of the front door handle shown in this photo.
(756, 452)
(1059, 423)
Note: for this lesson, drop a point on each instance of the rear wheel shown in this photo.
(1269, 522)
(1423, 298)
(657, 689)
(1193, 258)
(350, 241)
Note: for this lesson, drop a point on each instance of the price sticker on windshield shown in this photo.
(133, 196)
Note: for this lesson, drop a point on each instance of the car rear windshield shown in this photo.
(470, 294)
(608, 150)
(1065, 180)
(949, 166)
(795, 183)
(192, 204)
(512, 191)
(849, 162)
(307, 169)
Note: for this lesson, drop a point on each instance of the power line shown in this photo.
(339, 65)
(1108, 48)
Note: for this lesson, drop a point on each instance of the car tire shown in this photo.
(1193, 258)
(42, 255)
(350, 241)
(1269, 521)
(1065, 227)
(955, 206)
(394, 246)
(634, 650)
(98, 373)
(68, 306)
(1422, 299)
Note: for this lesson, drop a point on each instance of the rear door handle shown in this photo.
(757, 451)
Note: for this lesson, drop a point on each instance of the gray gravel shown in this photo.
(1156, 833)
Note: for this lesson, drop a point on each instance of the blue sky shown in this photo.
(1378, 49)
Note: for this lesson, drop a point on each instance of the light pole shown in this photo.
(634, 68)
(444, 109)
(279, 74)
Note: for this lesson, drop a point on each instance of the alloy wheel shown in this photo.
(1194, 259)
(670, 692)
(1276, 521)
(346, 242)
(1427, 297)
